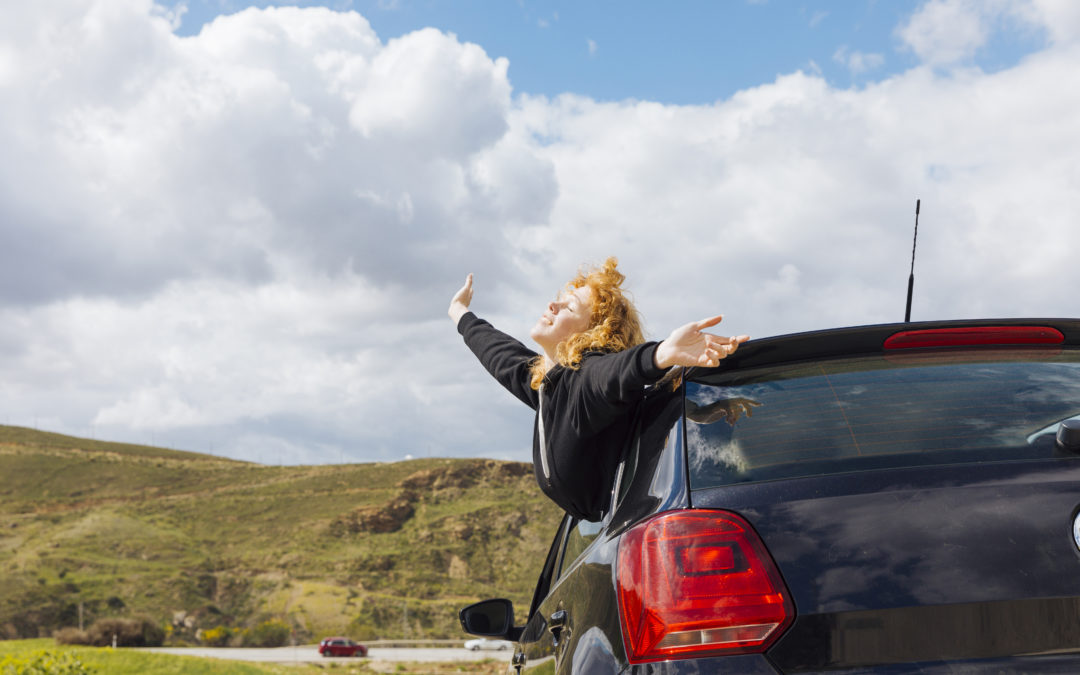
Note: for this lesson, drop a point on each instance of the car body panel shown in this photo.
(965, 566)
(922, 552)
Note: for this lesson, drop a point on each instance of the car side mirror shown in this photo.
(490, 618)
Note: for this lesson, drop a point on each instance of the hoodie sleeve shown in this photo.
(501, 355)
(608, 384)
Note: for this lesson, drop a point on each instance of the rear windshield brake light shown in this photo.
(974, 337)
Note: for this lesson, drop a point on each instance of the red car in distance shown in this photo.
(339, 646)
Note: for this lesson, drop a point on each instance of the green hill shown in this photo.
(198, 542)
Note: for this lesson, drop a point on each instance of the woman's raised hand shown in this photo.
(459, 304)
(689, 345)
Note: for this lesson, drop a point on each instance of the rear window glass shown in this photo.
(878, 412)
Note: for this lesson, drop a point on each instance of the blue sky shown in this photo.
(686, 53)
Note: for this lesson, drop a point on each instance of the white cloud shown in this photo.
(857, 62)
(945, 31)
(796, 173)
(1060, 18)
(245, 240)
(948, 32)
(173, 15)
(428, 90)
(591, 45)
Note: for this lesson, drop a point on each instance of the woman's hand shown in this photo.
(459, 304)
(689, 346)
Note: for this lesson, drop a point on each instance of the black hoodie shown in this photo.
(588, 412)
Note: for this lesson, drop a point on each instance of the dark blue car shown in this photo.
(887, 499)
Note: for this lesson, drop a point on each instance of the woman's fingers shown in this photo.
(689, 345)
(724, 344)
(459, 304)
(464, 295)
(725, 340)
(718, 347)
(708, 323)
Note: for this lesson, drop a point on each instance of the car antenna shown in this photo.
(911, 277)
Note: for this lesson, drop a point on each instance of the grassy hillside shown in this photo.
(197, 542)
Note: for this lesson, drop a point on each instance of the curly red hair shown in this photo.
(615, 324)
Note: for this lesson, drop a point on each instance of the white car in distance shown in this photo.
(487, 643)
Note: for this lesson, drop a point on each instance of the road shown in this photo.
(310, 653)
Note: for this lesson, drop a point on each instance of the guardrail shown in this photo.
(392, 644)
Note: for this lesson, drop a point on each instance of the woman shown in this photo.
(591, 371)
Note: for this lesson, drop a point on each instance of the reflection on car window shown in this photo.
(659, 413)
(1049, 430)
(577, 540)
(878, 412)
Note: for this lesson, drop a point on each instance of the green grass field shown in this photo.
(194, 541)
(108, 661)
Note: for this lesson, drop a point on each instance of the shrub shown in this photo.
(272, 633)
(217, 636)
(153, 632)
(43, 663)
(137, 632)
(71, 636)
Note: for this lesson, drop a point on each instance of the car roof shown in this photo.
(856, 340)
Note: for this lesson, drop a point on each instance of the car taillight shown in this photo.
(974, 336)
(698, 583)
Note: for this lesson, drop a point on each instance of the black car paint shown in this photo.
(925, 552)
(921, 552)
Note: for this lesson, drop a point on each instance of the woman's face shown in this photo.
(567, 316)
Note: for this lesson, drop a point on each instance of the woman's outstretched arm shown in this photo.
(504, 357)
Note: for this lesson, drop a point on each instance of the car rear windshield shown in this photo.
(895, 410)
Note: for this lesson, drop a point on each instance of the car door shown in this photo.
(574, 627)
(535, 649)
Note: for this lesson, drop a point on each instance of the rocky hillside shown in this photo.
(198, 542)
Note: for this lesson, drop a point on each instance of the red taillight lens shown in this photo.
(698, 583)
(975, 336)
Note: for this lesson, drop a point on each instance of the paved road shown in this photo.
(309, 653)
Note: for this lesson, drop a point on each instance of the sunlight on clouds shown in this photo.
(426, 88)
